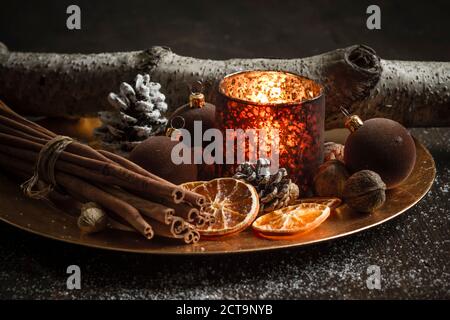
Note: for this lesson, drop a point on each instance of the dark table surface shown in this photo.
(412, 250)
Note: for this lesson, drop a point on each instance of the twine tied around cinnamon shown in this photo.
(44, 169)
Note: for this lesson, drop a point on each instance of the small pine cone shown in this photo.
(275, 191)
(139, 114)
(283, 198)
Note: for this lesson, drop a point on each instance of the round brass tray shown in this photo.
(43, 219)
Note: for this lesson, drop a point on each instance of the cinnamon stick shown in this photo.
(13, 124)
(189, 213)
(20, 134)
(112, 174)
(104, 199)
(159, 212)
(148, 208)
(104, 178)
(129, 164)
(43, 133)
(6, 111)
(189, 195)
(165, 188)
(125, 210)
(183, 210)
(178, 229)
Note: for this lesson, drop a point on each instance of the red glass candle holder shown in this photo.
(290, 106)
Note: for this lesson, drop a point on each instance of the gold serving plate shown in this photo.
(43, 219)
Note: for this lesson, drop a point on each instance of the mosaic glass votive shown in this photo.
(288, 108)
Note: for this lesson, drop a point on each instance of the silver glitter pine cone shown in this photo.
(139, 114)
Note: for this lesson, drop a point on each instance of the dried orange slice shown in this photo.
(292, 220)
(191, 185)
(233, 204)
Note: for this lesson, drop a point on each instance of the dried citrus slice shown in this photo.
(292, 220)
(191, 185)
(233, 204)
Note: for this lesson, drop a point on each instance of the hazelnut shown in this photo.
(330, 179)
(92, 218)
(365, 191)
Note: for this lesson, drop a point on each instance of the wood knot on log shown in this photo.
(364, 57)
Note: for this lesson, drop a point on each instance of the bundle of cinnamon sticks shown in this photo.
(136, 197)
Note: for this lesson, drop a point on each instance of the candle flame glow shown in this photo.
(270, 87)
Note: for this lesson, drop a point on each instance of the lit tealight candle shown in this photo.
(287, 109)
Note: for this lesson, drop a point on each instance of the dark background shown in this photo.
(412, 250)
(414, 30)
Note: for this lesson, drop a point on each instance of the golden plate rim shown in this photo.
(275, 245)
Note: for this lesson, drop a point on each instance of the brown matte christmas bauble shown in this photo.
(384, 146)
(154, 155)
(184, 117)
(197, 110)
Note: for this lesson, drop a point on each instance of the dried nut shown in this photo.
(92, 218)
(330, 179)
(365, 191)
(332, 150)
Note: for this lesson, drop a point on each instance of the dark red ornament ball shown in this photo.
(154, 155)
(184, 117)
(384, 146)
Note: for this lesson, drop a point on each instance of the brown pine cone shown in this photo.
(275, 190)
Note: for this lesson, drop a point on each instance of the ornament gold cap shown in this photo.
(196, 100)
(173, 132)
(353, 123)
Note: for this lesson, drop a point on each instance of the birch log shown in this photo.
(413, 93)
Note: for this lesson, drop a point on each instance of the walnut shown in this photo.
(365, 191)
